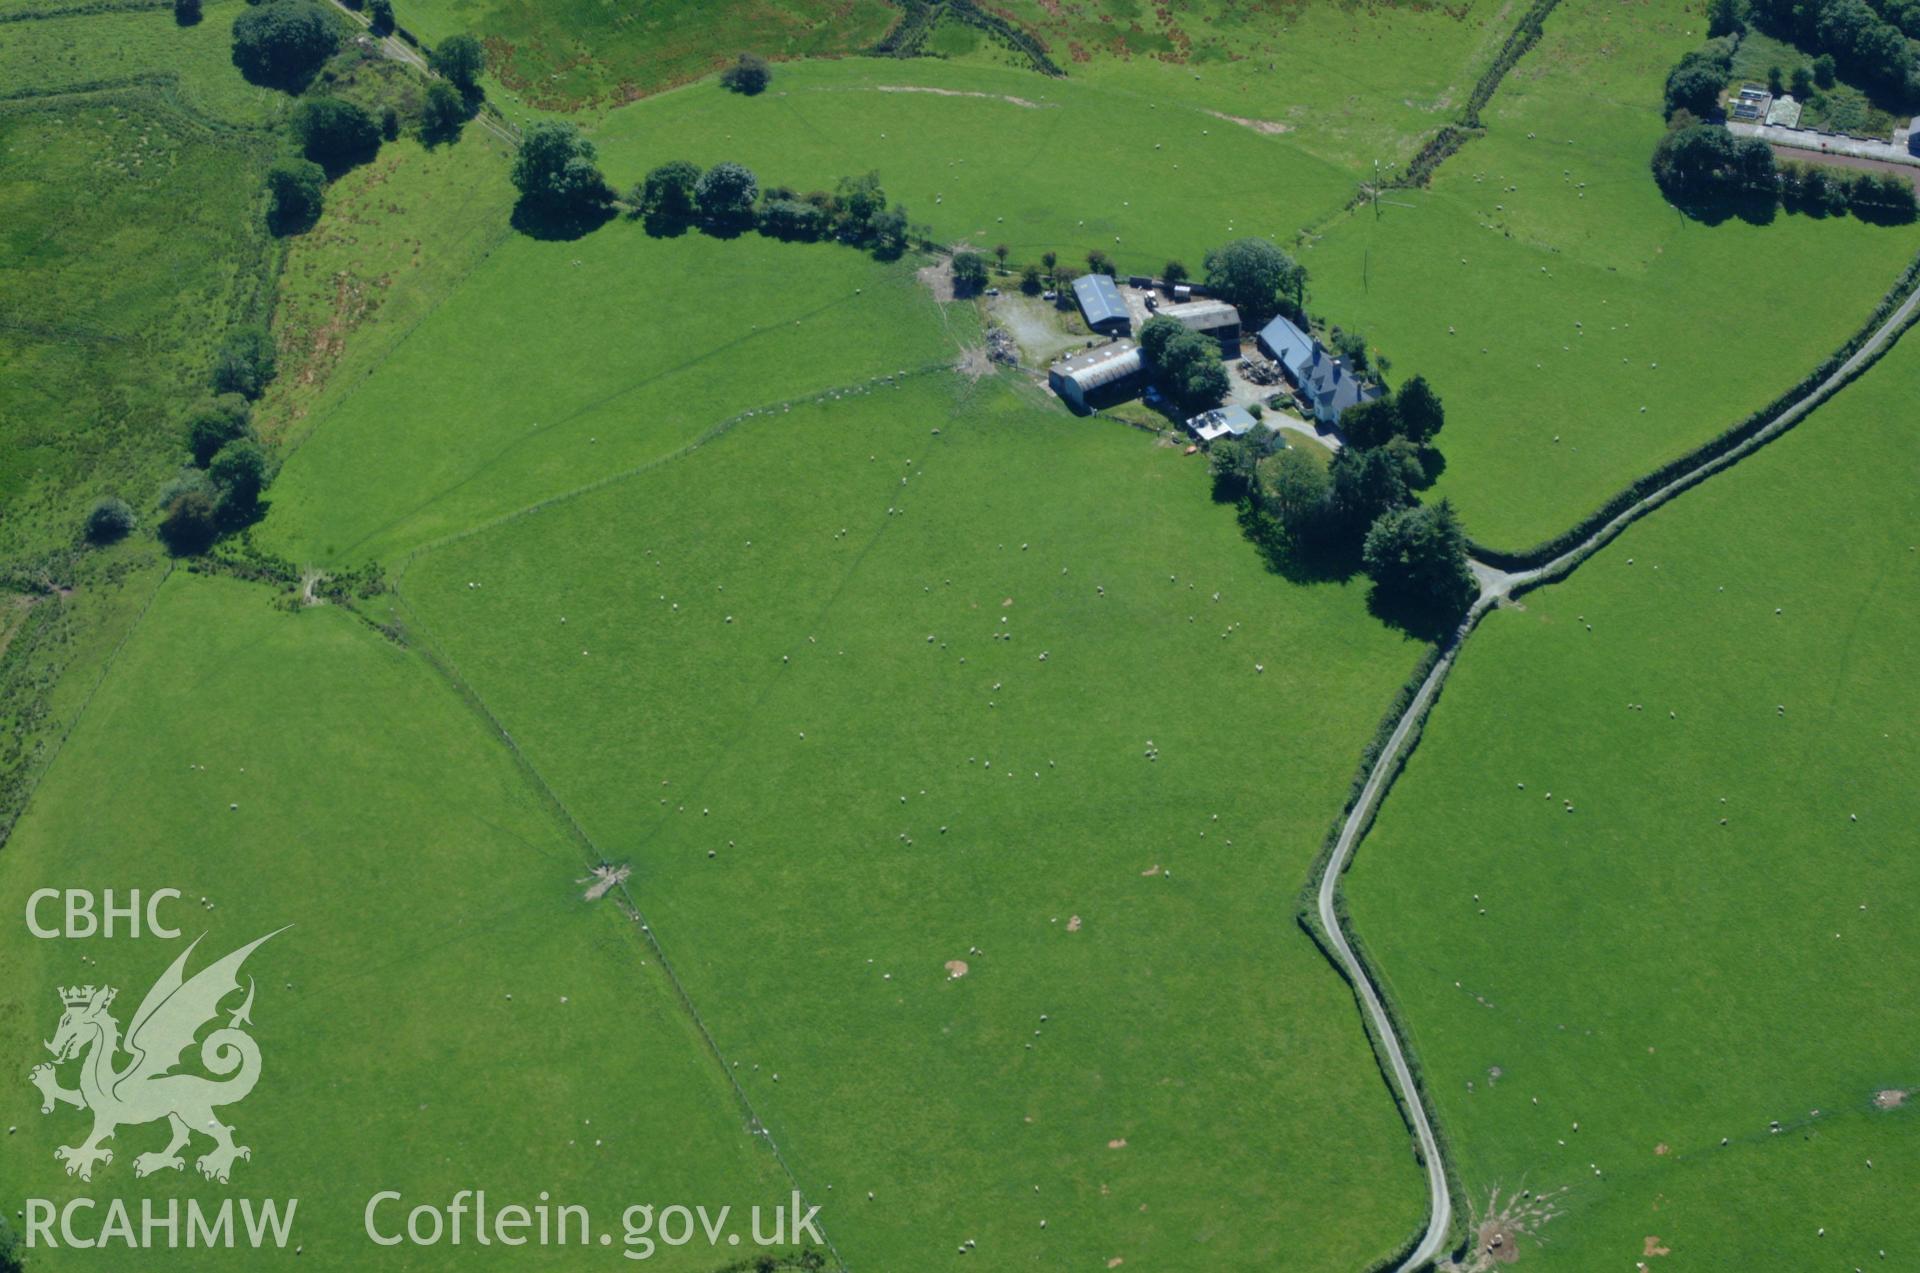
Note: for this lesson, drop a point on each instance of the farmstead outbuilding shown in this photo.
(1098, 375)
(1101, 304)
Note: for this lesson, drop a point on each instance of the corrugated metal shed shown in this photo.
(1204, 316)
(1099, 367)
(1109, 367)
(1101, 302)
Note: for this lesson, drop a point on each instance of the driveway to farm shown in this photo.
(1497, 586)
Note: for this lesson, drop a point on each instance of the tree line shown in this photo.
(560, 182)
(1706, 171)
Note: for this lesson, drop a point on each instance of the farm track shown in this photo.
(400, 51)
(1498, 586)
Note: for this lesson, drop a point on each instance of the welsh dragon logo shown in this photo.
(146, 1089)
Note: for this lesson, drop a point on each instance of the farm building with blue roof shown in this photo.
(1101, 303)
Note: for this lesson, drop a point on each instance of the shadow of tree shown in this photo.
(540, 219)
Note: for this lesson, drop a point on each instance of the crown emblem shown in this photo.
(76, 996)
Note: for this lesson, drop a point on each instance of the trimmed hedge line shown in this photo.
(1545, 551)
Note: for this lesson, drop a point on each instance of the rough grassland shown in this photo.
(825, 806)
(571, 54)
(425, 883)
(57, 54)
(556, 364)
(1067, 166)
(1566, 278)
(1351, 83)
(130, 238)
(399, 236)
(1641, 969)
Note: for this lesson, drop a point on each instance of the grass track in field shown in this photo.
(1577, 283)
(557, 364)
(67, 51)
(425, 883)
(1351, 83)
(1641, 969)
(1073, 169)
(1187, 1016)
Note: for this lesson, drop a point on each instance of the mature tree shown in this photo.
(726, 193)
(282, 43)
(1726, 17)
(1099, 262)
(969, 272)
(1156, 334)
(245, 363)
(1351, 346)
(186, 12)
(1232, 463)
(1049, 259)
(1366, 483)
(795, 220)
(666, 196)
(1295, 488)
(1000, 251)
(1703, 162)
(238, 474)
(1372, 423)
(381, 11)
(887, 237)
(748, 76)
(334, 132)
(296, 190)
(389, 124)
(214, 423)
(1801, 81)
(1030, 279)
(1256, 278)
(555, 167)
(443, 115)
(1881, 197)
(108, 520)
(188, 515)
(1776, 81)
(1174, 273)
(1421, 415)
(461, 59)
(1695, 85)
(859, 202)
(1184, 363)
(1825, 71)
(1421, 553)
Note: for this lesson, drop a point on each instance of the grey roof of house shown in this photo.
(1203, 315)
(1289, 346)
(1327, 384)
(1096, 368)
(1100, 300)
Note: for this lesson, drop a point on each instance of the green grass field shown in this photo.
(1548, 292)
(1660, 977)
(555, 364)
(931, 674)
(445, 1013)
(996, 155)
(64, 52)
(1349, 82)
(577, 54)
(399, 236)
